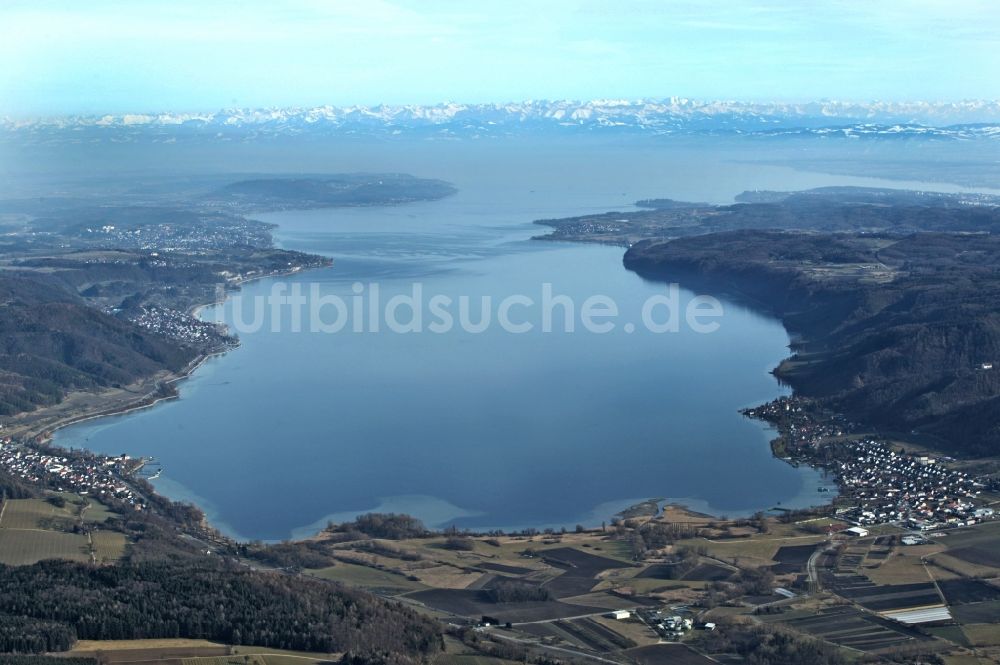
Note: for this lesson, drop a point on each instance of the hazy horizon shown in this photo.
(118, 57)
(474, 103)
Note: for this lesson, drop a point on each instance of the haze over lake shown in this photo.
(480, 430)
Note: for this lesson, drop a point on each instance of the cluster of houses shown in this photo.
(591, 226)
(881, 484)
(177, 325)
(97, 476)
(211, 232)
(800, 422)
(915, 490)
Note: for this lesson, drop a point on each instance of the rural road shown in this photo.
(814, 581)
(545, 647)
(579, 616)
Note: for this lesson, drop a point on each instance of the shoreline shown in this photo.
(47, 434)
(151, 399)
(168, 381)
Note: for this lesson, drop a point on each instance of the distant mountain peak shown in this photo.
(672, 115)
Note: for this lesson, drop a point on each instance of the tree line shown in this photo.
(49, 605)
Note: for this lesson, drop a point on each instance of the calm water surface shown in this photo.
(487, 430)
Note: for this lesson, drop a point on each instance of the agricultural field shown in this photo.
(596, 635)
(983, 635)
(962, 591)
(457, 580)
(753, 551)
(902, 568)
(172, 652)
(97, 512)
(375, 580)
(457, 653)
(792, 558)
(108, 545)
(268, 658)
(84, 647)
(966, 658)
(508, 550)
(445, 576)
(881, 598)
(470, 659)
(580, 570)
(952, 633)
(34, 514)
(849, 627)
(978, 547)
(703, 572)
(588, 574)
(20, 547)
(962, 567)
(986, 612)
(33, 530)
(667, 654)
(191, 652)
(474, 604)
(632, 629)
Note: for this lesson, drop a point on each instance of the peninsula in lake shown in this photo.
(352, 189)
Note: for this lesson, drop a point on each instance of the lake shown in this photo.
(481, 430)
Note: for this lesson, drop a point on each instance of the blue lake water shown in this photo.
(482, 430)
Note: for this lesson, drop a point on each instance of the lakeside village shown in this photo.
(878, 484)
(194, 233)
(70, 471)
(181, 326)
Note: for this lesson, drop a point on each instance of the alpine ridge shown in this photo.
(674, 115)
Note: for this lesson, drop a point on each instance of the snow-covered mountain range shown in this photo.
(952, 120)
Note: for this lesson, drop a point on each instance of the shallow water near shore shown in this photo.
(479, 430)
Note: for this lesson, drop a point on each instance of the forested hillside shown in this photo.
(47, 606)
(51, 342)
(899, 331)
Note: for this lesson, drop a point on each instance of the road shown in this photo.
(579, 616)
(559, 650)
(815, 584)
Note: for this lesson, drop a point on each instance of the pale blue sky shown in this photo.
(96, 56)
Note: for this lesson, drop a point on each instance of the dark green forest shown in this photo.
(47, 606)
(52, 342)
